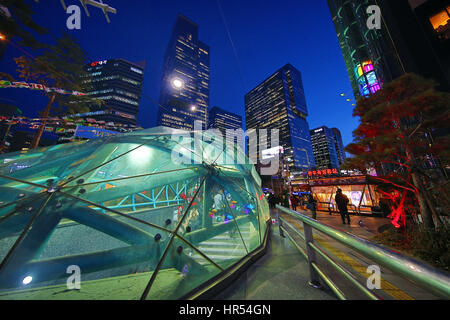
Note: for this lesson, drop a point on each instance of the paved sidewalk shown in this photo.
(393, 286)
(281, 274)
(369, 227)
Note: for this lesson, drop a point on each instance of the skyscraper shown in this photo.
(327, 147)
(184, 94)
(279, 103)
(339, 145)
(118, 83)
(413, 37)
(224, 120)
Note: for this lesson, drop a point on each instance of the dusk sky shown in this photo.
(266, 35)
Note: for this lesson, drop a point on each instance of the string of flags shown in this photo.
(62, 125)
(37, 86)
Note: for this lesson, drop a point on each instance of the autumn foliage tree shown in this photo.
(404, 134)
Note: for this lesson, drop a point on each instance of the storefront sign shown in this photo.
(324, 172)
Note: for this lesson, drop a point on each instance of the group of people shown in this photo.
(310, 203)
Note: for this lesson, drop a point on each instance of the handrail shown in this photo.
(330, 205)
(372, 211)
(355, 209)
(424, 276)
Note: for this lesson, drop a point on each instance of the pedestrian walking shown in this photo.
(272, 200)
(311, 205)
(294, 202)
(342, 202)
(220, 204)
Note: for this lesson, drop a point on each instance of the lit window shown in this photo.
(441, 24)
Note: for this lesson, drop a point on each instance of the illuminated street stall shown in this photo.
(360, 190)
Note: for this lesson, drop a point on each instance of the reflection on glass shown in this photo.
(134, 223)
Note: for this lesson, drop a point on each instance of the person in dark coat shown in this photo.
(272, 200)
(311, 205)
(285, 199)
(342, 202)
(294, 202)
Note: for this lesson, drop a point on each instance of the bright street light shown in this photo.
(177, 83)
(193, 108)
(2, 37)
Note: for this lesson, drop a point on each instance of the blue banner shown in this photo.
(92, 132)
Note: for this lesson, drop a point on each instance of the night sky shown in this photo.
(265, 35)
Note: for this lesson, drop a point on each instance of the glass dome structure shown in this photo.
(151, 214)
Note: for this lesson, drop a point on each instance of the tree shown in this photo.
(16, 22)
(61, 65)
(403, 132)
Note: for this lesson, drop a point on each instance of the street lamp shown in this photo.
(193, 108)
(2, 37)
(177, 83)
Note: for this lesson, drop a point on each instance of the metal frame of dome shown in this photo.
(136, 223)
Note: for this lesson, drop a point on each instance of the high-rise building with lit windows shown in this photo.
(414, 36)
(279, 103)
(224, 120)
(327, 147)
(184, 94)
(339, 145)
(118, 83)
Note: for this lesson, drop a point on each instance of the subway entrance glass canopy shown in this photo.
(126, 217)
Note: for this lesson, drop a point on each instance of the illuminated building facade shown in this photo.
(339, 146)
(224, 120)
(279, 103)
(323, 142)
(421, 32)
(119, 84)
(366, 54)
(184, 94)
(414, 37)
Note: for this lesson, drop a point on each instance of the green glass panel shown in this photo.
(180, 273)
(114, 254)
(111, 206)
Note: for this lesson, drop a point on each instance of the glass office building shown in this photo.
(413, 37)
(279, 103)
(184, 94)
(131, 221)
(327, 148)
(368, 54)
(118, 83)
(339, 146)
(224, 120)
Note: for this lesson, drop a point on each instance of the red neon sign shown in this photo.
(324, 172)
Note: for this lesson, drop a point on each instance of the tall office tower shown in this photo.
(413, 37)
(279, 103)
(224, 120)
(326, 153)
(184, 94)
(118, 83)
(339, 146)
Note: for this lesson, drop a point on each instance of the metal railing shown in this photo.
(426, 277)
